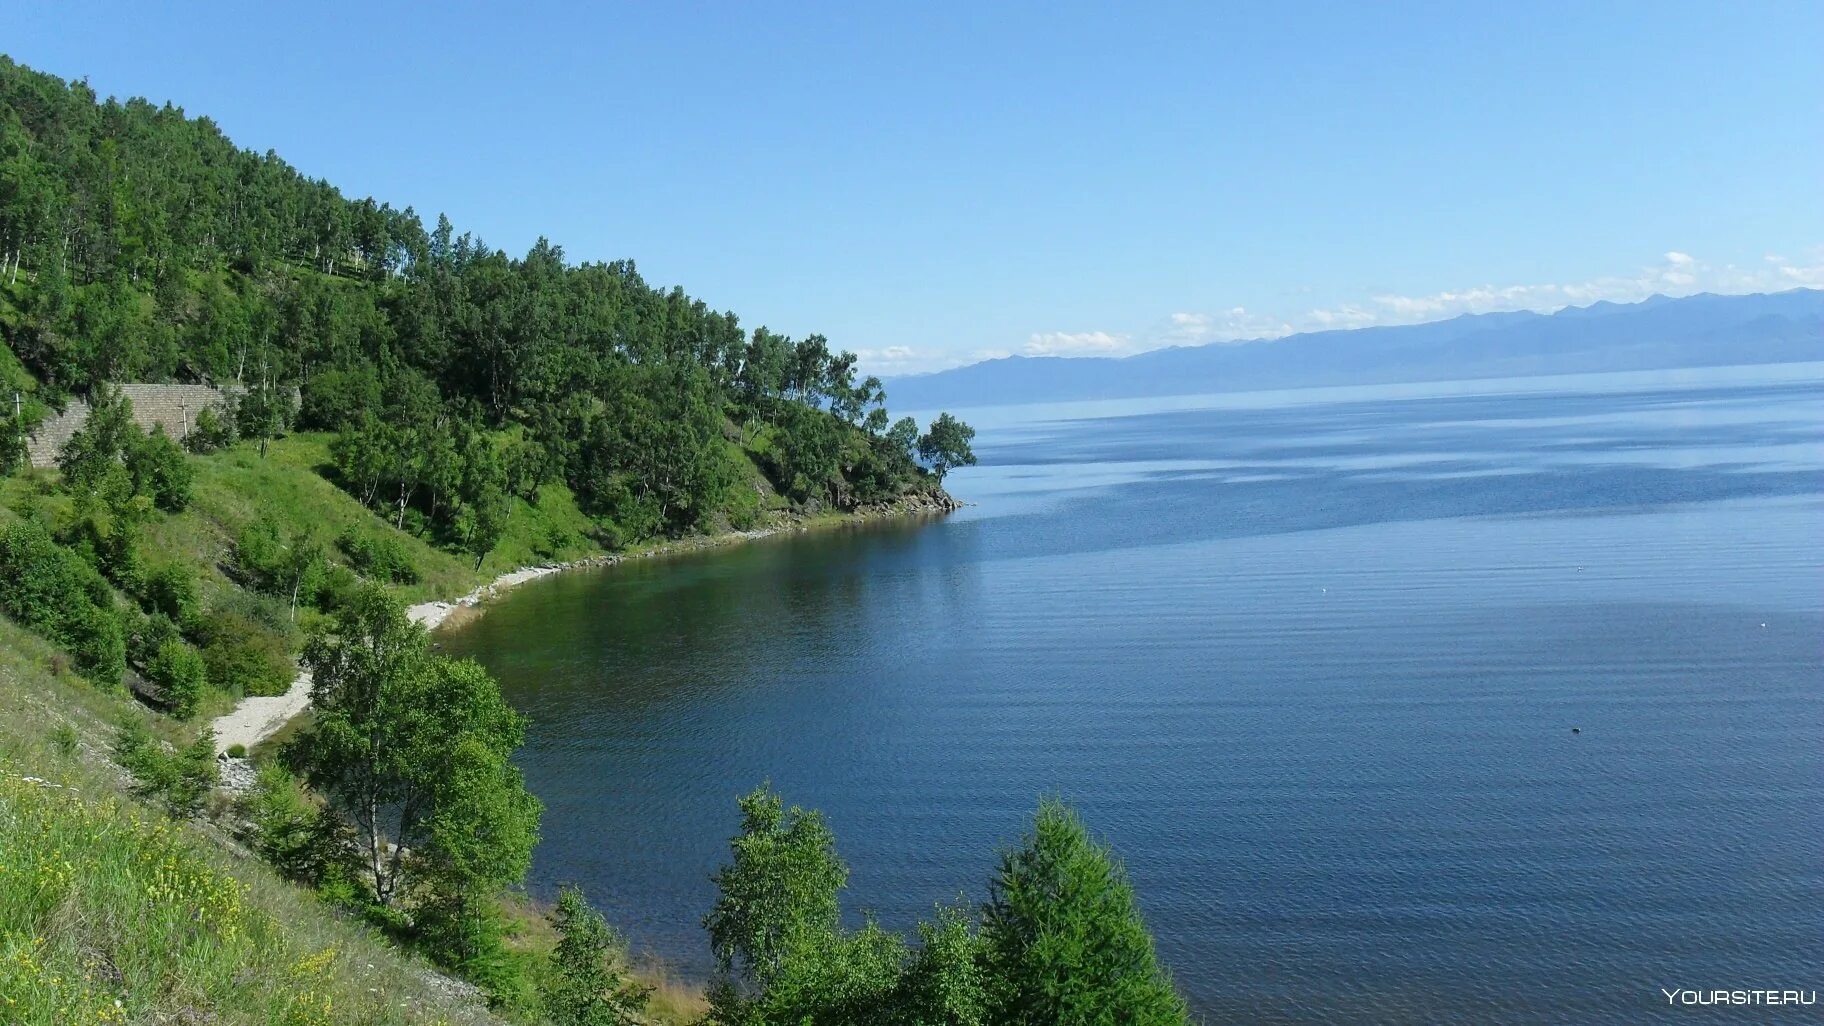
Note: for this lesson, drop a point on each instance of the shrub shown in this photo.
(182, 779)
(378, 557)
(146, 634)
(160, 470)
(180, 672)
(53, 591)
(245, 657)
(237, 751)
(170, 589)
(259, 553)
(212, 431)
(63, 738)
(586, 984)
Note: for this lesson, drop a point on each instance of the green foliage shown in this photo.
(237, 751)
(52, 591)
(181, 778)
(777, 894)
(586, 985)
(63, 739)
(211, 432)
(946, 445)
(170, 590)
(1062, 937)
(244, 656)
(179, 672)
(378, 557)
(264, 410)
(159, 470)
(414, 750)
(289, 830)
(1061, 941)
(289, 567)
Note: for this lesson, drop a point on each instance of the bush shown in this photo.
(212, 431)
(64, 740)
(170, 590)
(378, 557)
(182, 779)
(179, 671)
(259, 553)
(53, 591)
(245, 657)
(237, 751)
(287, 825)
(160, 470)
(146, 634)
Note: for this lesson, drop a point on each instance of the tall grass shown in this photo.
(105, 900)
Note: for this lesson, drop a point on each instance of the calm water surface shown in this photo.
(1311, 660)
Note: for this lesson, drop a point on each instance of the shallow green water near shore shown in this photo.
(1311, 660)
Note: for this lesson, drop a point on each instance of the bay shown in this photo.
(1310, 660)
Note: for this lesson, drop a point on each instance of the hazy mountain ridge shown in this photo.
(1658, 332)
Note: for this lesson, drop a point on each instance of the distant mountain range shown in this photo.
(1660, 332)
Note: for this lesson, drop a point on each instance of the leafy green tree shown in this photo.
(303, 564)
(778, 892)
(92, 460)
(405, 744)
(1063, 941)
(944, 984)
(263, 411)
(586, 984)
(945, 445)
(478, 837)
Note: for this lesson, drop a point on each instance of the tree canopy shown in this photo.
(139, 243)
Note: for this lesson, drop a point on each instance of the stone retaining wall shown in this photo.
(173, 407)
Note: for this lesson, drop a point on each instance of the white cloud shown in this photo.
(1076, 343)
(1676, 274)
(1236, 324)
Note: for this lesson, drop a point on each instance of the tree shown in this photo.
(159, 470)
(303, 562)
(778, 892)
(587, 985)
(263, 411)
(946, 445)
(407, 745)
(1063, 941)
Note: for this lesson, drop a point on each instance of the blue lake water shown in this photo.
(1310, 660)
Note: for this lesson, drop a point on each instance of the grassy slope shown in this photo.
(102, 899)
(282, 931)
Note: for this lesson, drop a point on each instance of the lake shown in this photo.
(1312, 661)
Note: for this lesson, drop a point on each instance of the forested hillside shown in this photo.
(411, 411)
(140, 244)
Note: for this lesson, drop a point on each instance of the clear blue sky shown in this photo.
(926, 183)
